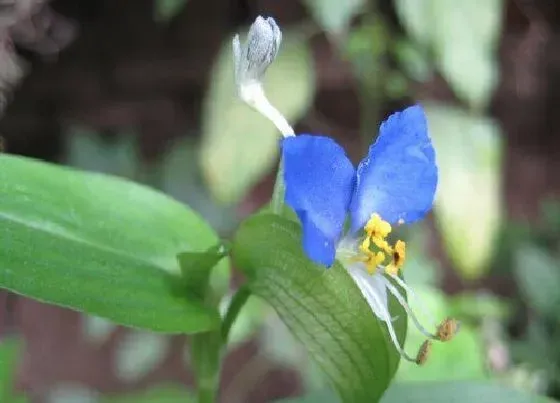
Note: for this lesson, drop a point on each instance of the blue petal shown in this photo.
(319, 183)
(398, 178)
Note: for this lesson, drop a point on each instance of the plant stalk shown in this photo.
(235, 306)
(279, 191)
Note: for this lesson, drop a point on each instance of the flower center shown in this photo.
(375, 248)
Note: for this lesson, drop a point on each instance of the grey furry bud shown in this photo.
(258, 52)
(251, 61)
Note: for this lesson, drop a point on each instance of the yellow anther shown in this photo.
(377, 228)
(424, 352)
(382, 244)
(399, 257)
(399, 254)
(372, 260)
(391, 269)
(447, 329)
(364, 246)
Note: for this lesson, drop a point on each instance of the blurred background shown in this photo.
(144, 89)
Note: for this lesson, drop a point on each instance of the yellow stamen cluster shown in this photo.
(375, 247)
(375, 250)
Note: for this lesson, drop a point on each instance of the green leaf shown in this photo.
(323, 308)
(165, 10)
(98, 244)
(469, 203)
(159, 394)
(335, 16)
(538, 277)
(240, 146)
(457, 392)
(196, 268)
(9, 356)
(464, 38)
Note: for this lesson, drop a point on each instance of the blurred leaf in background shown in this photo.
(335, 16)
(463, 36)
(181, 177)
(537, 272)
(438, 392)
(463, 359)
(538, 276)
(239, 146)
(157, 394)
(90, 150)
(469, 205)
(457, 392)
(9, 357)
(477, 305)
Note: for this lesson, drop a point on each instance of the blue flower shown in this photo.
(396, 180)
(394, 184)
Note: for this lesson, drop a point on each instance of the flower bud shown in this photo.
(257, 53)
(251, 61)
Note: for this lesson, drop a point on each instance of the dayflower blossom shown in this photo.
(394, 184)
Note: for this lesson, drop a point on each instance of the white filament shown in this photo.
(406, 307)
(377, 300)
(411, 294)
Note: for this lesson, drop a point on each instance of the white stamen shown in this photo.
(417, 301)
(406, 307)
(368, 287)
(365, 282)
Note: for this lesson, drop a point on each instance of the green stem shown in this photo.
(206, 349)
(205, 355)
(237, 303)
(206, 394)
(277, 201)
